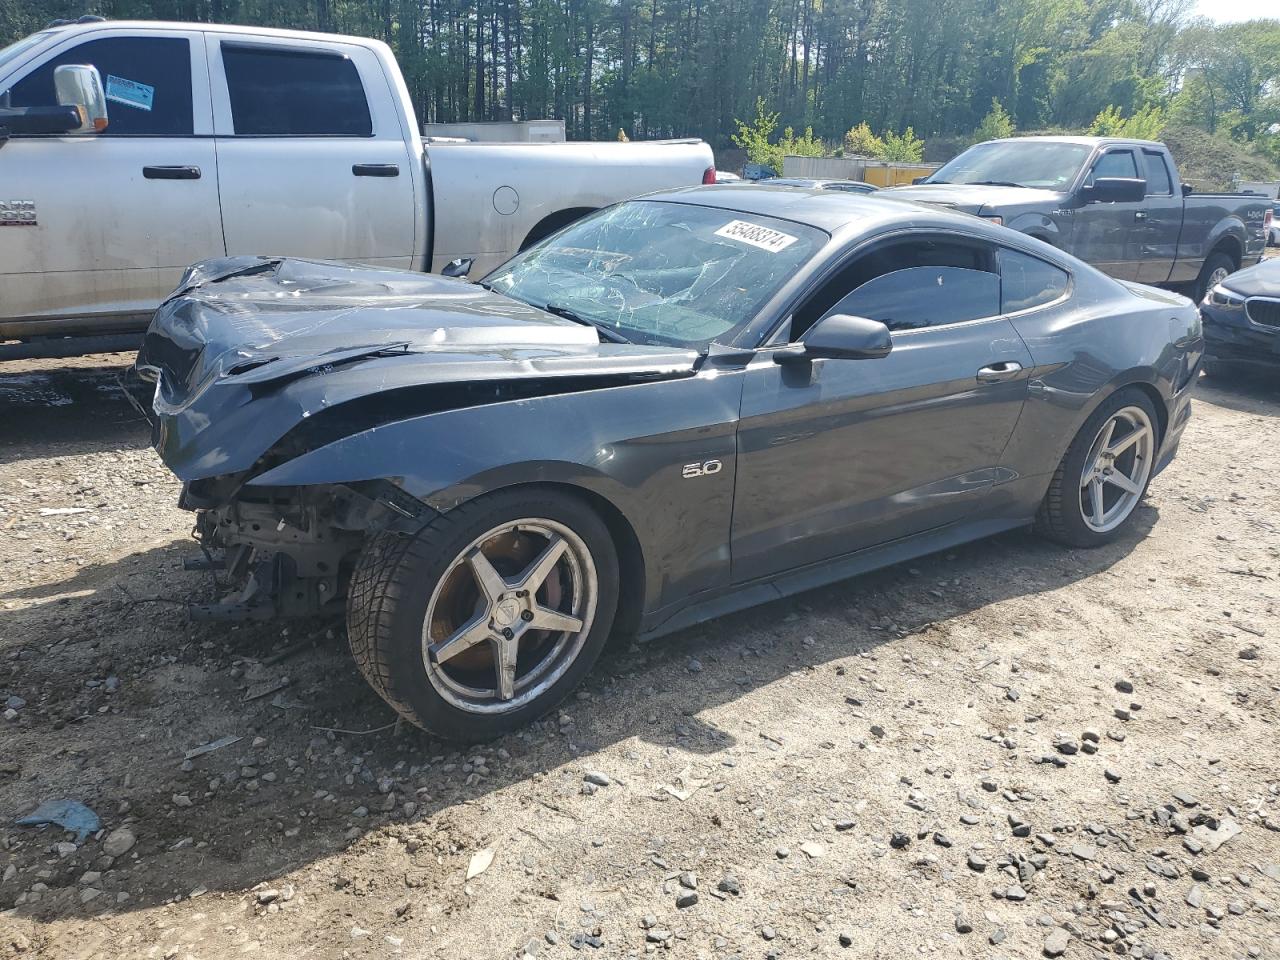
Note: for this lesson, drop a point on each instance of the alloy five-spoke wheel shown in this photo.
(1117, 469)
(1104, 473)
(490, 614)
(509, 615)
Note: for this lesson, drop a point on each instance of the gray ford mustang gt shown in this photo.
(674, 408)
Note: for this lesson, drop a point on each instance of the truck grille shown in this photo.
(1264, 311)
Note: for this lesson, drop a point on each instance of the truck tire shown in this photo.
(1069, 513)
(487, 617)
(1217, 267)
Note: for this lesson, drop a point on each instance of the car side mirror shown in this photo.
(1187, 189)
(457, 268)
(839, 336)
(80, 86)
(1115, 190)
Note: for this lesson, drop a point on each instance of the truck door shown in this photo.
(1162, 219)
(312, 155)
(117, 215)
(1110, 235)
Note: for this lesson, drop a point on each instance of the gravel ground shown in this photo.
(1009, 750)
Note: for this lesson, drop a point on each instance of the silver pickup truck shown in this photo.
(1117, 204)
(130, 150)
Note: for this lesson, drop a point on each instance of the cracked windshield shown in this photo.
(661, 273)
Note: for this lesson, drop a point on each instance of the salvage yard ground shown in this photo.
(1008, 750)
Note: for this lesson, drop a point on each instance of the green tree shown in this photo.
(859, 141)
(1146, 124)
(907, 148)
(996, 125)
(754, 137)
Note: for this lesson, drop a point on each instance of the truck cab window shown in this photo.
(287, 93)
(1115, 163)
(147, 81)
(923, 281)
(1156, 171)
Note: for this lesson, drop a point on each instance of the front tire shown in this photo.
(1104, 474)
(1216, 268)
(489, 616)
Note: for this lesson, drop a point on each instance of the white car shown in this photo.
(130, 150)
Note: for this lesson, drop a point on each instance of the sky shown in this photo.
(1230, 11)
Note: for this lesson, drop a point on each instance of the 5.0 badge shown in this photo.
(704, 469)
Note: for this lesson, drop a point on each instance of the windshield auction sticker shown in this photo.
(130, 92)
(757, 236)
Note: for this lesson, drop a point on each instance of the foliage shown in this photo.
(996, 125)
(907, 148)
(806, 146)
(1213, 161)
(859, 141)
(1146, 124)
(754, 137)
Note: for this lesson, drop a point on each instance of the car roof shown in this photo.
(224, 28)
(834, 211)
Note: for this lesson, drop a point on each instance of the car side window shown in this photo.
(924, 280)
(294, 93)
(147, 81)
(1027, 281)
(1156, 171)
(1116, 163)
(918, 297)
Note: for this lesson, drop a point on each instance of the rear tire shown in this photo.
(1217, 267)
(426, 616)
(1069, 513)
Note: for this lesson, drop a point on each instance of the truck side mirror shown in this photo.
(1115, 190)
(80, 86)
(1186, 189)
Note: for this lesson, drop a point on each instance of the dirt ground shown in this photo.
(1009, 750)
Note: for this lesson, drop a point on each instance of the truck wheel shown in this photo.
(1217, 267)
(1104, 474)
(489, 616)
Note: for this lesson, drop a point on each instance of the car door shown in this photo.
(838, 455)
(1110, 235)
(1160, 220)
(311, 153)
(116, 215)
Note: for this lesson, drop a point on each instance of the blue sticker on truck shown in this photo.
(130, 92)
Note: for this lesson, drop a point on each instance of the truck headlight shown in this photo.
(992, 218)
(1220, 296)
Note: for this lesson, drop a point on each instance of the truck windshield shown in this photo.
(1025, 163)
(659, 272)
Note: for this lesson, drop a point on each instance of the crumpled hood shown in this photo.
(972, 198)
(247, 348)
(1262, 280)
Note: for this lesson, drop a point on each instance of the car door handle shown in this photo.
(171, 173)
(375, 169)
(1139, 214)
(996, 372)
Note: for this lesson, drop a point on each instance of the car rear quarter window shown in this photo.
(147, 82)
(1027, 281)
(288, 93)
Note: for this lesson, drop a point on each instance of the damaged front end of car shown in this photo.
(255, 364)
(289, 551)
